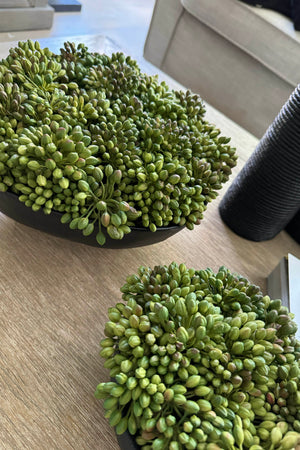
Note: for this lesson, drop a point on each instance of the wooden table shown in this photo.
(54, 295)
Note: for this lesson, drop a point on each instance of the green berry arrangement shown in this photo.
(201, 360)
(107, 146)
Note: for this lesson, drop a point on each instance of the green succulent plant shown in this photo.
(109, 147)
(201, 360)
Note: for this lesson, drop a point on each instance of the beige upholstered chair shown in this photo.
(243, 60)
(19, 15)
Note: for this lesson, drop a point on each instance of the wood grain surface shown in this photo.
(54, 296)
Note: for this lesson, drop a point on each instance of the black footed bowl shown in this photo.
(127, 442)
(11, 206)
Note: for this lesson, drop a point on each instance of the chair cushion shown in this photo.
(245, 26)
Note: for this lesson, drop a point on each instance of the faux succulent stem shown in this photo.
(86, 117)
(203, 361)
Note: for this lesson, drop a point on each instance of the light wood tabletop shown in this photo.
(54, 296)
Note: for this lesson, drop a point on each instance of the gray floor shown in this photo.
(124, 21)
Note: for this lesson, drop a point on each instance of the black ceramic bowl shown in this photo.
(127, 442)
(11, 206)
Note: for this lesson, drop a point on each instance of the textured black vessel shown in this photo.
(11, 206)
(293, 227)
(127, 442)
(265, 195)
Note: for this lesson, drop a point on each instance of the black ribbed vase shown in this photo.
(293, 227)
(265, 195)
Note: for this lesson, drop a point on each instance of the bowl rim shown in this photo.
(60, 214)
(12, 207)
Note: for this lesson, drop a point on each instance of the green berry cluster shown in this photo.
(94, 138)
(201, 360)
